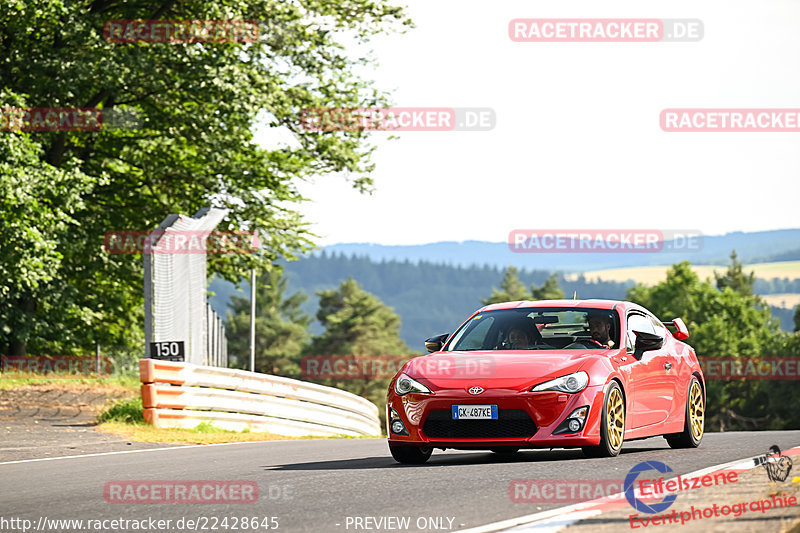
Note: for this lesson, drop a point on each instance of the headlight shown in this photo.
(405, 384)
(571, 383)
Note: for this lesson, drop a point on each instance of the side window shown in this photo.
(637, 323)
(658, 327)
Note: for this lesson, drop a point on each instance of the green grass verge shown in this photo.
(127, 411)
(125, 381)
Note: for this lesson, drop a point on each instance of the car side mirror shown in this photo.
(434, 344)
(646, 342)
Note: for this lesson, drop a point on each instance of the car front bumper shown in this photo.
(525, 419)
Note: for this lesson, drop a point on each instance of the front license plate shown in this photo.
(474, 412)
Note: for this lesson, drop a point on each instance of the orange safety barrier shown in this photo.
(152, 371)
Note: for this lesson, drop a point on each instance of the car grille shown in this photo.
(510, 423)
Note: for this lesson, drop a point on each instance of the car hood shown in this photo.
(495, 369)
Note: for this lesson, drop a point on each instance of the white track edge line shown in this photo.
(121, 452)
(556, 523)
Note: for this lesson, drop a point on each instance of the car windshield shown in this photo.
(538, 328)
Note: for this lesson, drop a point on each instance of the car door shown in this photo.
(669, 375)
(652, 392)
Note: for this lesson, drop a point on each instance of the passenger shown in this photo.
(522, 334)
(518, 339)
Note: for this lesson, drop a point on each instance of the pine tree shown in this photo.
(357, 323)
(511, 289)
(549, 290)
(281, 327)
(735, 278)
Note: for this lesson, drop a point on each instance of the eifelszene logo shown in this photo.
(666, 489)
(630, 495)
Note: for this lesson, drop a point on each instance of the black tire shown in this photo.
(505, 452)
(692, 435)
(607, 447)
(410, 455)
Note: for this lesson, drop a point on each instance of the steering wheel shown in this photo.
(537, 344)
(591, 343)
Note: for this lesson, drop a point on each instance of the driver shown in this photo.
(600, 328)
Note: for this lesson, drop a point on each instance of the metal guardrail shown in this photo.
(183, 395)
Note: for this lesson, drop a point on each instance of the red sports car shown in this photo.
(549, 374)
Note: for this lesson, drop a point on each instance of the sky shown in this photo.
(577, 142)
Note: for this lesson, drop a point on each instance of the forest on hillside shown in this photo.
(430, 298)
(435, 298)
(724, 317)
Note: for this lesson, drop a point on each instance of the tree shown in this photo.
(735, 278)
(722, 323)
(549, 290)
(37, 207)
(358, 324)
(797, 319)
(511, 289)
(281, 327)
(197, 103)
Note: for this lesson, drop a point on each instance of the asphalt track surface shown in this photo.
(315, 485)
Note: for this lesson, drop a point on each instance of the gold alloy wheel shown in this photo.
(696, 410)
(615, 418)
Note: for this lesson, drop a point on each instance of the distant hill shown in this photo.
(791, 255)
(784, 276)
(430, 298)
(751, 247)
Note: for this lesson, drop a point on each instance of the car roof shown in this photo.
(590, 304)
